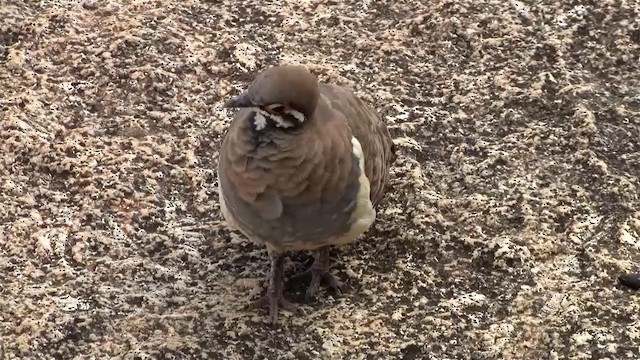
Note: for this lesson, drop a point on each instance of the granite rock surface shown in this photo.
(513, 207)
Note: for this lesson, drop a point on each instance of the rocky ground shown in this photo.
(513, 207)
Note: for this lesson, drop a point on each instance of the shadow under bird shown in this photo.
(302, 167)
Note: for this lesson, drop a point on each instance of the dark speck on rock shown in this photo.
(412, 352)
(631, 281)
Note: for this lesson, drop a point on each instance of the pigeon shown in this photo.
(302, 167)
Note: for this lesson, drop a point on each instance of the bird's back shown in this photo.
(371, 132)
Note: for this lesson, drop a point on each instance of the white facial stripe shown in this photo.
(260, 121)
(273, 106)
(280, 122)
(296, 114)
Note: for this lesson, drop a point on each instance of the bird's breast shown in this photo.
(317, 183)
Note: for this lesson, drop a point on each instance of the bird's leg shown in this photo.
(320, 272)
(273, 298)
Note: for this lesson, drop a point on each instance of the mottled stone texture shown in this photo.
(515, 193)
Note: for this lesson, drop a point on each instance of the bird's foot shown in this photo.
(319, 272)
(274, 302)
(319, 275)
(322, 275)
(273, 299)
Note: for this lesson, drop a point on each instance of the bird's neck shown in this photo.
(257, 141)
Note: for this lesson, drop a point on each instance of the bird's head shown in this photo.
(284, 96)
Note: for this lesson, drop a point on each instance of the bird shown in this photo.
(302, 167)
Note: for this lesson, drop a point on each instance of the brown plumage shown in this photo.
(290, 170)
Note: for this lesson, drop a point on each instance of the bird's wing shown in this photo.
(371, 132)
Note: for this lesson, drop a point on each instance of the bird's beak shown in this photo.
(240, 101)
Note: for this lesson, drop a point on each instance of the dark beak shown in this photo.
(240, 101)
